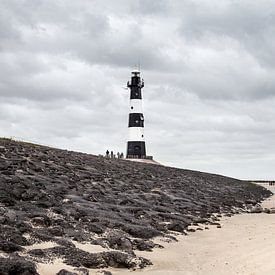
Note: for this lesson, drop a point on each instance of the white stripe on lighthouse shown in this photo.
(135, 106)
(135, 134)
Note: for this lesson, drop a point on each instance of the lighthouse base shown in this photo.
(136, 149)
(147, 160)
(139, 157)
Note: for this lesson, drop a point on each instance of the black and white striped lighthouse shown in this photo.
(136, 143)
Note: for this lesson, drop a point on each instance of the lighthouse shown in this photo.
(136, 143)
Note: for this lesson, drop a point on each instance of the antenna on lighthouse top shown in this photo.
(136, 70)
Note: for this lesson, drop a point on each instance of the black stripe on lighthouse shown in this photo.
(136, 149)
(135, 93)
(136, 120)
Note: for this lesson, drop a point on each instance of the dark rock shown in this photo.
(144, 245)
(96, 228)
(9, 247)
(252, 202)
(104, 272)
(138, 231)
(82, 271)
(56, 231)
(117, 240)
(78, 258)
(65, 272)
(267, 210)
(191, 230)
(177, 226)
(10, 234)
(256, 209)
(16, 266)
(42, 234)
(214, 223)
(118, 259)
(39, 221)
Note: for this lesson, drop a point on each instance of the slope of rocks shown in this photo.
(52, 195)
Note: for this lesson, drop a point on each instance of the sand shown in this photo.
(243, 245)
(55, 266)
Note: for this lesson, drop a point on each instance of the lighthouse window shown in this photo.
(132, 107)
(141, 135)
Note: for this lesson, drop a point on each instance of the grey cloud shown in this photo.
(85, 35)
(150, 7)
(250, 23)
(208, 69)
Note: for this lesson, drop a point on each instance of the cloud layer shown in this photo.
(208, 67)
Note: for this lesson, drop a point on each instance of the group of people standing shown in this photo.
(113, 156)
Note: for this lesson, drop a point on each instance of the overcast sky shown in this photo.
(208, 66)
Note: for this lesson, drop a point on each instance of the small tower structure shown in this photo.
(136, 143)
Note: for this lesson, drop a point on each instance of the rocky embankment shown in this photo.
(63, 197)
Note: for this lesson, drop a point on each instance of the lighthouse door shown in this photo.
(137, 150)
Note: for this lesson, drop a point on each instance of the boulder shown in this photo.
(256, 209)
(9, 247)
(65, 272)
(17, 266)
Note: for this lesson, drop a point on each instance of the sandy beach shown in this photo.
(243, 245)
